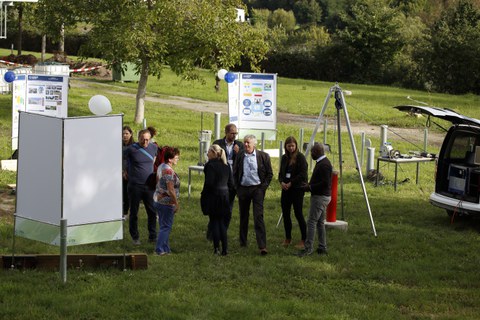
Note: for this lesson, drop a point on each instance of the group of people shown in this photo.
(234, 169)
(160, 198)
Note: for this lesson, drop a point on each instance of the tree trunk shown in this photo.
(44, 47)
(141, 92)
(20, 29)
(61, 43)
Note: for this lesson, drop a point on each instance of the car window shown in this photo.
(461, 146)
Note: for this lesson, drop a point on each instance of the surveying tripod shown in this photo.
(340, 105)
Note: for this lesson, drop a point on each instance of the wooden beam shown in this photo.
(133, 261)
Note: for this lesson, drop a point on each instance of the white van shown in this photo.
(457, 180)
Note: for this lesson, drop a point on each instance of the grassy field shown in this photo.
(420, 266)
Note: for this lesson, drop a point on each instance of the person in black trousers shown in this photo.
(232, 147)
(214, 199)
(292, 176)
(252, 174)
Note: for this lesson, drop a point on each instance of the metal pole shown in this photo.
(356, 160)
(263, 141)
(300, 139)
(340, 160)
(363, 149)
(280, 153)
(218, 117)
(425, 139)
(63, 249)
(325, 131)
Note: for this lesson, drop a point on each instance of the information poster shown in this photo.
(42, 94)
(253, 104)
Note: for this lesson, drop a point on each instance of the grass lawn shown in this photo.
(420, 266)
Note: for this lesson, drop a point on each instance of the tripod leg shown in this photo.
(347, 120)
(319, 121)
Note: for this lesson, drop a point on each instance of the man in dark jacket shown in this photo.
(140, 158)
(232, 147)
(320, 186)
(252, 174)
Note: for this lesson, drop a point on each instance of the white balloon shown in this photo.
(221, 74)
(99, 105)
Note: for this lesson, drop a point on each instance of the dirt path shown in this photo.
(414, 136)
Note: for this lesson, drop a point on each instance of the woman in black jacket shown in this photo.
(214, 199)
(292, 175)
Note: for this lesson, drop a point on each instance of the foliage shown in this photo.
(371, 32)
(259, 17)
(307, 12)
(183, 34)
(454, 63)
(49, 17)
(283, 19)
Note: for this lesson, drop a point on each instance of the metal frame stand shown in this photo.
(340, 105)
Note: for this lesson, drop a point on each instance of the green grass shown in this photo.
(419, 267)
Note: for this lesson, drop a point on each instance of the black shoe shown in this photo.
(224, 252)
(263, 252)
(304, 252)
(322, 251)
(216, 251)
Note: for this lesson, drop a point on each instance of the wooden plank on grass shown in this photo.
(133, 261)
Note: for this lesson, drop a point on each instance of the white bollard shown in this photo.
(370, 159)
(218, 117)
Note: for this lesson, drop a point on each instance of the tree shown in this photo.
(283, 19)
(307, 12)
(371, 34)
(182, 34)
(51, 18)
(453, 61)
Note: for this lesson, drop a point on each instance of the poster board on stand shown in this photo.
(252, 104)
(69, 169)
(42, 94)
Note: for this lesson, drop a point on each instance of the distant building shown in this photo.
(240, 15)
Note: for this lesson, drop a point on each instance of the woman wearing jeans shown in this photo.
(166, 199)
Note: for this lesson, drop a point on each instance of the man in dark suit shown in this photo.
(252, 174)
(232, 147)
(320, 186)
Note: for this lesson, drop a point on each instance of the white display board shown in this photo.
(252, 104)
(69, 169)
(43, 94)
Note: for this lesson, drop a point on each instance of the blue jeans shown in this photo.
(165, 222)
(316, 220)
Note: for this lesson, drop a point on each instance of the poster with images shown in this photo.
(47, 95)
(42, 94)
(18, 104)
(252, 104)
(257, 97)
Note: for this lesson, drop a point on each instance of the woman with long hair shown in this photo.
(215, 196)
(292, 175)
(127, 140)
